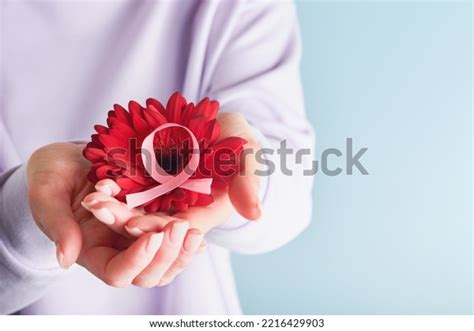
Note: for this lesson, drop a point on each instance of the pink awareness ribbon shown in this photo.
(168, 182)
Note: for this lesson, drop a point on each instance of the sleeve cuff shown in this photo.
(22, 238)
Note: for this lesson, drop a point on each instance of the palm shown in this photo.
(165, 244)
(98, 238)
(58, 175)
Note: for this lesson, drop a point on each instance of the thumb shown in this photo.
(51, 208)
(244, 187)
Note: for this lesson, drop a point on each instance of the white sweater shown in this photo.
(64, 63)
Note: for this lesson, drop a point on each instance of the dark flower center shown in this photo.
(173, 156)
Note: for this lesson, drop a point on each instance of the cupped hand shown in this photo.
(57, 184)
(172, 257)
(242, 195)
(244, 187)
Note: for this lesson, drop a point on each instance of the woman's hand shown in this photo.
(242, 196)
(57, 185)
(171, 259)
(244, 187)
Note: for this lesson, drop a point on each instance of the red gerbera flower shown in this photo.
(115, 149)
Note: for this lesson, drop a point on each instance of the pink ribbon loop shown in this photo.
(168, 182)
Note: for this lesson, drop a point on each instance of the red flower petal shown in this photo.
(178, 194)
(94, 154)
(110, 141)
(122, 128)
(121, 113)
(155, 105)
(95, 141)
(213, 109)
(166, 202)
(174, 106)
(115, 150)
(154, 118)
(198, 126)
(204, 200)
(153, 206)
(134, 108)
(180, 206)
(192, 197)
(213, 130)
(208, 108)
(128, 184)
(103, 171)
(101, 129)
(140, 125)
(92, 177)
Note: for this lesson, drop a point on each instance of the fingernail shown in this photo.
(104, 188)
(154, 242)
(104, 215)
(88, 204)
(192, 242)
(134, 231)
(202, 247)
(164, 282)
(178, 231)
(60, 257)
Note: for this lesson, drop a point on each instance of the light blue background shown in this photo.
(397, 78)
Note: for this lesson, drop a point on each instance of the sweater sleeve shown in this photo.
(257, 74)
(27, 256)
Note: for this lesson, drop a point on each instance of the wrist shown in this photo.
(21, 236)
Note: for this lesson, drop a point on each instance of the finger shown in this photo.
(114, 214)
(118, 268)
(139, 225)
(108, 187)
(173, 239)
(51, 208)
(244, 187)
(92, 198)
(203, 218)
(190, 248)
